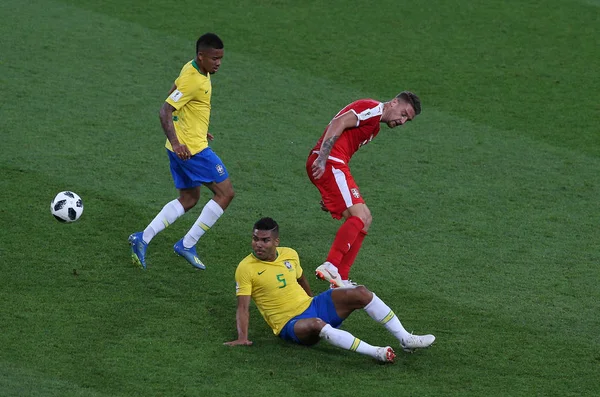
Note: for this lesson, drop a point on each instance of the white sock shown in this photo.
(169, 214)
(347, 341)
(208, 217)
(381, 313)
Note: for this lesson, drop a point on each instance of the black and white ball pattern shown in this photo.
(66, 207)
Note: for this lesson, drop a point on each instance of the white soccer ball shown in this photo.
(66, 207)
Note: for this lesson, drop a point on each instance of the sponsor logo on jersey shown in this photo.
(176, 95)
(355, 192)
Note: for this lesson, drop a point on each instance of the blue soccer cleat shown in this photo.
(189, 254)
(138, 249)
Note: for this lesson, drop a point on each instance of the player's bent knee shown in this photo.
(367, 221)
(308, 330)
(315, 326)
(364, 214)
(188, 202)
(224, 190)
(231, 194)
(318, 324)
(367, 218)
(224, 198)
(362, 295)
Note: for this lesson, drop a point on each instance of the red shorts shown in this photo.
(338, 189)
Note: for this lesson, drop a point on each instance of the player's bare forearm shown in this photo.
(166, 122)
(318, 166)
(242, 316)
(336, 128)
(304, 284)
(243, 320)
(326, 147)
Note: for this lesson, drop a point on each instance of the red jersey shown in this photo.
(368, 112)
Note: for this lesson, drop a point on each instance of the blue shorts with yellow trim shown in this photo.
(203, 167)
(321, 307)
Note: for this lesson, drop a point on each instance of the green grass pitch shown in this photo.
(486, 207)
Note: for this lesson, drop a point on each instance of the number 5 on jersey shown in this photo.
(281, 279)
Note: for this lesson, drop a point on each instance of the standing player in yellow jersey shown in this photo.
(184, 117)
(272, 277)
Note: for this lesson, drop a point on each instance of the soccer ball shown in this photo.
(66, 207)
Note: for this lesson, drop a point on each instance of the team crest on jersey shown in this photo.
(288, 265)
(220, 169)
(355, 192)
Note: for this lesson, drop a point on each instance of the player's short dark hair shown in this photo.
(267, 224)
(209, 40)
(411, 98)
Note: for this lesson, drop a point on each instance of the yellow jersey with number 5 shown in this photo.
(191, 100)
(273, 286)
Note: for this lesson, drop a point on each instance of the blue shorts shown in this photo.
(321, 307)
(203, 167)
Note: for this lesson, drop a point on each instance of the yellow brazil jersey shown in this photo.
(273, 286)
(191, 101)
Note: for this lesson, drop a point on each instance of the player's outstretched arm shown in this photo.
(337, 126)
(243, 320)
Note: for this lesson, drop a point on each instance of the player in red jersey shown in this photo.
(327, 167)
